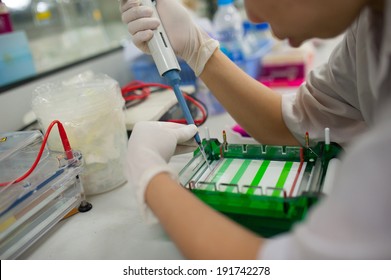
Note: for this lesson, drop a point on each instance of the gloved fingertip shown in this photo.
(193, 127)
(186, 132)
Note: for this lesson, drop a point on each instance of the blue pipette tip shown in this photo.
(174, 79)
(198, 139)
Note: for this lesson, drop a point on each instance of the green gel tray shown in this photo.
(265, 188)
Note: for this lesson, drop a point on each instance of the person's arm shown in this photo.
(198, 231)
(256, 107)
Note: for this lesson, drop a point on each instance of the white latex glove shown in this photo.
(150, 147)
(187, 39)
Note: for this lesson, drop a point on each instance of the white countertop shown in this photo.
(113, 228)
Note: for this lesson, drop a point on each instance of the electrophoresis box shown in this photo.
(265, 188)
(31, 207)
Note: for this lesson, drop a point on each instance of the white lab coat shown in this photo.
(352, 96)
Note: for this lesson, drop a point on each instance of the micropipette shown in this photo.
(168, 66)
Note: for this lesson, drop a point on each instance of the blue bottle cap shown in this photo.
(247, 25)
(224, 2)
(262, 26)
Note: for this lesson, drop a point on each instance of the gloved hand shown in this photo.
(150, 147)
(187, 39)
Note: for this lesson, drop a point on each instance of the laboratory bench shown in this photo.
(114, 227)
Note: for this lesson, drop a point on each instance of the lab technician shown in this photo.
(351, 95)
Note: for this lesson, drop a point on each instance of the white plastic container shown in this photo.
(228, 29)
(91, 109)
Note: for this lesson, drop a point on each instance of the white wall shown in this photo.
(15, 103)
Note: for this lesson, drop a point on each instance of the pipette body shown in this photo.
(167, 64)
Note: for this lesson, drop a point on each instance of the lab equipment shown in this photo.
(45, 12)
(16, 59)
(155, 101)
(285, 66)
(257, 43)
(263, 187)
(32, 206)
(168, 65)
(228, 29)
(5, 19)
(256, 35)
(91, 108)
(143, 69)
(205, 96)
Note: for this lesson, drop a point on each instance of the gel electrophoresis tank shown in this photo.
(265, 188)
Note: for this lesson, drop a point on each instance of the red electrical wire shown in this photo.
(199, 106)
(298, 171)
(145, 89)
(65, 144)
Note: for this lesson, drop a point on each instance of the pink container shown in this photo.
(5, 19)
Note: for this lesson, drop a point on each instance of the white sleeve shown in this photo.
(328, 98)
(354, 221)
